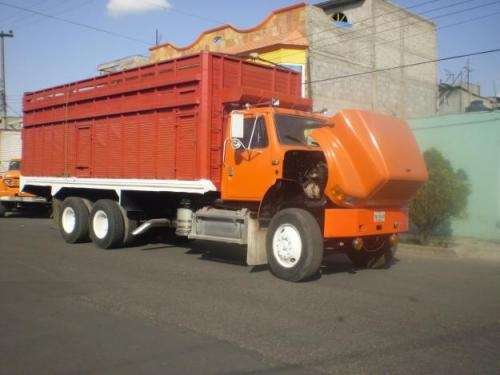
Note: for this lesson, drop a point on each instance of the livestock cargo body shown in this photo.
(162, 121)
(217, 148)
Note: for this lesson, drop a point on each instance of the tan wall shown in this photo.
(284, 26)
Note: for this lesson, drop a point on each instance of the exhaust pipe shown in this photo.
(153, 223)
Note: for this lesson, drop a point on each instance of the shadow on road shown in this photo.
(28, 214)
(334, 263)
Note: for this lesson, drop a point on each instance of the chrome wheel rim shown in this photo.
(287, 245)
(100, 224)
(68, 220)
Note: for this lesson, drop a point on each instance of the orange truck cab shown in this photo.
(352, 174)
(10, 195)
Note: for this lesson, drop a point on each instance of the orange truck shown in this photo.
(220, 149)
(10, 195)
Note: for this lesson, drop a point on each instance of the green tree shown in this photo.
(442, 198)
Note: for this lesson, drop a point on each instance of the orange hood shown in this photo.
(373, 160)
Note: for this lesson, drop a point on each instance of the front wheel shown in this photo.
(3, 210)
(294, 245)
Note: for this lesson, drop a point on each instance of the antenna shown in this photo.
(157, 37)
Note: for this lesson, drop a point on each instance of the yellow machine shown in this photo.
(10, 195)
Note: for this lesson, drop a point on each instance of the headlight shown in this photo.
(11, 182)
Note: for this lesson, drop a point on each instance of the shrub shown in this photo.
(443, 197)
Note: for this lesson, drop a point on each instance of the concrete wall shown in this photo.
(471, 141)
(382, 35)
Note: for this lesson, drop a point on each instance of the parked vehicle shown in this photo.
(11, 198)
(220, 149)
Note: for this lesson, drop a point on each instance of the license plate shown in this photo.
(379, 216)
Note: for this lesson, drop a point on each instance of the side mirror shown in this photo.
(237, 144)
(237, 125)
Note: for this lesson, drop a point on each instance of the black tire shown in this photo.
(109, 211)
(311, 239)
(80, 231)
(3, 210)
(380, 259)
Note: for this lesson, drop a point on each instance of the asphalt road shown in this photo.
(157, 308)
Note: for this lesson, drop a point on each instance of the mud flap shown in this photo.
(256, 243)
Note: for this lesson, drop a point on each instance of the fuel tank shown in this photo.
(373, 160)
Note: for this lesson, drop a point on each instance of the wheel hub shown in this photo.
(287, 245)
(100, 224)
(68, 220)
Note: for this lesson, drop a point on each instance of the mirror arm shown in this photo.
(253, 131)
(224, 152)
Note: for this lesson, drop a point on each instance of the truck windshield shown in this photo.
(14, 165)
(295, 130)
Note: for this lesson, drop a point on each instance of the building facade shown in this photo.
(335, 44)
(463, 98)
(10, 141)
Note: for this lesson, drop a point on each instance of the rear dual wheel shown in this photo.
(74, 219)
(107, 225)
(110, 226)
(104, 222)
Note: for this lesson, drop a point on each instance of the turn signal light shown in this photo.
(357, 243)
(393, 239)
(9, 182)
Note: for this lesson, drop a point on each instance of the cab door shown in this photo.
(247, 166)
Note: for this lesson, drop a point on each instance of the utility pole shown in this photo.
(3, 92)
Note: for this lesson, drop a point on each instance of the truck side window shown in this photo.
(260, 135)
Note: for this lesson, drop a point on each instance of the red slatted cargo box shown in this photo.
(161, 121)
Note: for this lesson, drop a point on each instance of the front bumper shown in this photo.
(354, 222)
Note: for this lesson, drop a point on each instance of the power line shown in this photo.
(423, 33)
(75, 23)
(184, 12)
(400, 9)
(13, 110)
(399, 26)
(406, 66)
(432, 18)
(37, 20)
(410, 16)
(17, 16)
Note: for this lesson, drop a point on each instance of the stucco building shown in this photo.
(462, 98)
(334, 44)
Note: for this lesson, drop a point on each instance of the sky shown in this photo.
(46, 52)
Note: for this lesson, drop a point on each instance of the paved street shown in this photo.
(158, 308)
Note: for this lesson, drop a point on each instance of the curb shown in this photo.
(427, 250)
(445, 252)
